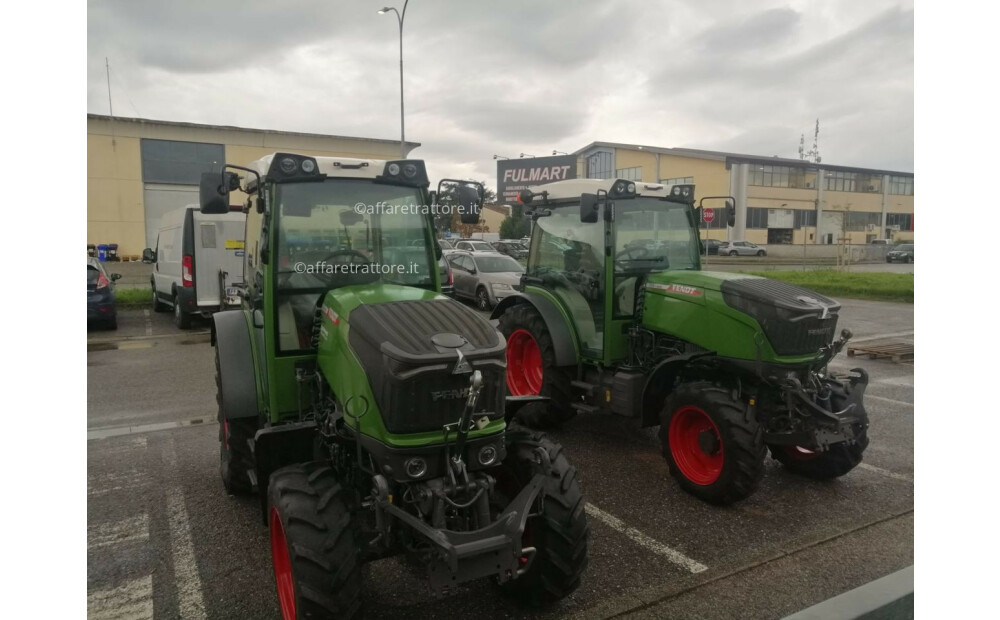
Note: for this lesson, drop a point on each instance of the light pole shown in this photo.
(402, 124)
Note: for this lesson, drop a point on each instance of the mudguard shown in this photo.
(661, 382)
(562, 339)
(237, 380)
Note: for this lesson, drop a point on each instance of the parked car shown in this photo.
(511, 248)
(447, 277)
(485, 278)
(711, 245)
(741, 248)
(902, 253)
(475, 245)
(446, 246)
(198, 263)
(881, 242)
(101, 295)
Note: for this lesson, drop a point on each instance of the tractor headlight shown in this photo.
(308, 166)
(416, 467)
(288, 165)
(409, 171)
(392, 169)
(487, 455)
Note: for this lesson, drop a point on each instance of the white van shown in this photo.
(198, 263)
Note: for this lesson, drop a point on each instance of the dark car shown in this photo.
(712, 246)
(902, 253)
(101, 295)
(511, 248)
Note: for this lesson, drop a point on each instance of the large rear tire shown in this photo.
(714, 446)
(559, 533)
(317, 563)
(532, 370)
(235, 456)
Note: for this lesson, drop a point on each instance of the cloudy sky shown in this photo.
(523, 75)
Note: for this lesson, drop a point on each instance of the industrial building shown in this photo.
(778, 201)
(138, 169)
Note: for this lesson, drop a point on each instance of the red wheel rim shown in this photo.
(524, 364)
(689, 428)
(282, 567)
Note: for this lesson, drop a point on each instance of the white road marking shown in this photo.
(892, 401)
(645, 541)
(105, 432)
(885, 472)
(149, 324)
(132, 600)
(190, 600)
(879, 336)
(127, 530)
(102, 484)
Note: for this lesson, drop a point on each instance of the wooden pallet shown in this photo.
(896, 351)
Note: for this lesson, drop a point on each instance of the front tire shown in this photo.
(317, 563)
(532, 370)
(733, 253)
(714, 446)
(158, 306)
(559, 534)
(760, 253)
(483, 299)
(235, 455)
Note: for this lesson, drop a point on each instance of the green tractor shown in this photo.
(369, 411)
(615, 315)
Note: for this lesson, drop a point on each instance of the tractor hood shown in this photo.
(795, 320)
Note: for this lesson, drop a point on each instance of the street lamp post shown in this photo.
(402, 123)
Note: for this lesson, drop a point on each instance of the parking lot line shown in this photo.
(892, 401)
(644, 541)
(190, 600)
(126, 530)
(885, 472)
(149, 323)
(102, 484)
(132, 600)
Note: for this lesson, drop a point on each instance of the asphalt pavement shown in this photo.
(165, 541)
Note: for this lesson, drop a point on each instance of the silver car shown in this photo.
(485, 278)
(475, 245)
(742, 248)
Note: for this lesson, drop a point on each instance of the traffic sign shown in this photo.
(708, 215)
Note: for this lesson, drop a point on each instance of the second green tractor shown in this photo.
(616, 316)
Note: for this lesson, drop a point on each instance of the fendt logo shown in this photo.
(680, 289)
(449, 394)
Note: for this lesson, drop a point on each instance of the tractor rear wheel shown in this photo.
(531, 368)
(235, 457)
(317, 564)
(559, 533)
(714, 447)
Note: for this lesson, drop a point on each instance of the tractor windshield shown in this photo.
(342, 232)
(653, 235)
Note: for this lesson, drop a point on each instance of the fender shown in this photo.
(660, 383)
(562, 339)
(238, 383)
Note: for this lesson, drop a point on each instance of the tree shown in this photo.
(516, 225)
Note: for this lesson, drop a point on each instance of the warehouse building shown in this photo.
(778, 201)
(138, 169)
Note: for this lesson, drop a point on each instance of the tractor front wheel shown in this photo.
(235, 456)
(531, 368)
(558, 533)
(714, 446)
(317, 564)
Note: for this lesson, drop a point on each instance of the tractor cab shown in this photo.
(596, 241)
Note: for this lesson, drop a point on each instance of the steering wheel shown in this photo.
(346, 253)
(635, 252)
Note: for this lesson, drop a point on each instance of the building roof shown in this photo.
(124, 119)
(737, 158)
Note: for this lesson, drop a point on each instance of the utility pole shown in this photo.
(111, 110)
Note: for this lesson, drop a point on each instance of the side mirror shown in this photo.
(466, 196)
(149, 255)
(258, 317)
(590, 206)
(350, 218)
(116, 276)
(730, 213)
(214, 191)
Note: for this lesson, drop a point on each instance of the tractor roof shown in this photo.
(285, 167)
(572, 188)
(331, 166)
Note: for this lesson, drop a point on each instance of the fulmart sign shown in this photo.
(513, 175)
